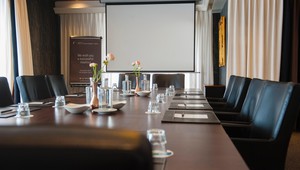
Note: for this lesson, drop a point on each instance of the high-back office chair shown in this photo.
(236, 96)
(263, 144)
(226, 92)
(5, 94)
(165, 80)
(33, 88)
(57, 85)
(73, 147)
(247, 111)
(132, 79)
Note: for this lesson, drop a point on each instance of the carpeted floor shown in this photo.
(293, 156)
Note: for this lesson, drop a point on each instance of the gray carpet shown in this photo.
(293, 156)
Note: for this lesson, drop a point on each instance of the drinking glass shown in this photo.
(88, 94)
(172, 90)
(23, 110)
(168, 92)
(157, 138)
(60, 101)
(160, 98)
(153, 107)
(154, 87)
(105, 97)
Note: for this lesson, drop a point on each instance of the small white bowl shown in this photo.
(76, 108)
(143, 93)
(118, 104)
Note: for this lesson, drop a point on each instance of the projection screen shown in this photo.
(160, 35)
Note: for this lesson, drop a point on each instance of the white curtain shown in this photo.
(93, 24)
(6, 54)
(25, 65)
(203, 48)
(84, 24)
(254, 38)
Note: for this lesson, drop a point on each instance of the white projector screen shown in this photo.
(161, 36)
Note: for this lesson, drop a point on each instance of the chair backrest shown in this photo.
(165, 80)
(5, 94)
(229, 87)
(74, 147)
(251, 100)
(267, 142)
(278, 102)
(238, 93)
(131, 78)
(57, 85)
(33, 88)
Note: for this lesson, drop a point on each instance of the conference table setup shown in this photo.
(194, 135)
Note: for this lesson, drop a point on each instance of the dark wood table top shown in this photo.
(195, 146)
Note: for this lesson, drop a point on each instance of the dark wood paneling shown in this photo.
(216, 18)
(45, 36)
(222, 70)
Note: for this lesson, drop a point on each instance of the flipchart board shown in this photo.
(83, 51)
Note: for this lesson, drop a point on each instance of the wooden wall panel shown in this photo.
(45, 36)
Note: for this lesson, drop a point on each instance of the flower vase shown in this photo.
(94, 101)
(137, 88)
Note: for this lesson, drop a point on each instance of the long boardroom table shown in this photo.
(195, 146)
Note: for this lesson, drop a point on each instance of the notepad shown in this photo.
(5, 110)
(191, 116)
(36, 103)
(190, 105)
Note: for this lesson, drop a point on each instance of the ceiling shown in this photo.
(204, 5)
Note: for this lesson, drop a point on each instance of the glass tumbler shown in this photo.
(157, 138)
(60, 101)
(23, 110)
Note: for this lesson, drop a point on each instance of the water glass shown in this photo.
(153, 107)
(172, 90)
(88, 94)
(154, 87)
(157, 138)
(126, 85)
(60, 101)
(23, 110)
(168, 92)
(160, 98)
(105, 97)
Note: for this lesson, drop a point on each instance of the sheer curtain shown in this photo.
(25, 64)
(93, 24)
(6, 55)
(254, 38)
(203, 48)
(83, 24)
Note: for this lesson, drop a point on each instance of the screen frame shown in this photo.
(151, 3)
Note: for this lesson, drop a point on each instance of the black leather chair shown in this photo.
(132, 79)
(165, 80)
(57, 85)
(236, 96)
(226, 93)
(247, 111)
(33, 88)
(263, 143)
(73, 147)
(5, 94)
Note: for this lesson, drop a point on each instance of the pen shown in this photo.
(4, 111)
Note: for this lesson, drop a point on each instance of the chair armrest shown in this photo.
(226, 116)
(215, 99)
(226, 113)
(217, 104)
(236, 124)
(237, 129)
(214, 90)
(259, 153)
